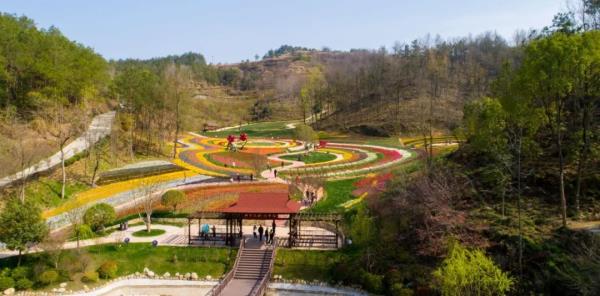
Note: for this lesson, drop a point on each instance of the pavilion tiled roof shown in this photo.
(264, 203)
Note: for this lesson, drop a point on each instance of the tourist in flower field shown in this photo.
(260, 232)
(275, 173)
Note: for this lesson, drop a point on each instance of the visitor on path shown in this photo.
(275, 173)
(273, 225)
(282, 164)
(267, 235)
(251, 177)
(260, 232)
(214, 231)
(254, 231)
(272, 234)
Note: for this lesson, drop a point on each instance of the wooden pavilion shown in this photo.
(264, 206)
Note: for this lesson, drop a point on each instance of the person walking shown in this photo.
(254, 231)
(272, 235)
(267, 235)
(273, 225)
(275, 173)
(214, 231)
(260, 232)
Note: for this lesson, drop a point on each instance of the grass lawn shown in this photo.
(338, 192)
(306, 265)
(144, 233)
(131, 258)
(312, 157)
(276, 129)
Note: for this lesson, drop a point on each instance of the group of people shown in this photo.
(238, 178)
(309, 198)
(261, 231)
(205, 230)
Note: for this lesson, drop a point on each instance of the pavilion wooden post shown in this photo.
(336, 235)
(290, 233)
(189, 231)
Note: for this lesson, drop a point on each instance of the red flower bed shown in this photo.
(372, 185)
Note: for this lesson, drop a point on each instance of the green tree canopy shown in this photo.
(465, 272)
(22, 225)
(172, 198)
(98, 215)
(41, 66)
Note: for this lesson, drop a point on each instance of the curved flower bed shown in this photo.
(59, 216)
(377, 158)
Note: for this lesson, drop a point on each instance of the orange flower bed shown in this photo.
(214, 197)
(264, 150)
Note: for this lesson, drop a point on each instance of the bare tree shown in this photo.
(63, 132)
(54, 246)
(75, 218)
(178, 79)
(145, 199)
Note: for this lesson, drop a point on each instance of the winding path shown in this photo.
(98, 129)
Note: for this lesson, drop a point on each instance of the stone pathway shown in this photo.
(99, 128)
(173, 236)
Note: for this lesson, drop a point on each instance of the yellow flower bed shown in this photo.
(346, 155)
(195, 169)
(108, 190)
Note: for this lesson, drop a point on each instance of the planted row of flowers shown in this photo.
(377, 158)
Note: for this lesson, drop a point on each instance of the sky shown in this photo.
(227, 31)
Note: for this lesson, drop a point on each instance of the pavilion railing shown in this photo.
(261, 288)
(217, 289)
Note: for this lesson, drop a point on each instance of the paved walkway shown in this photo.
(173, 236)
(99, 128)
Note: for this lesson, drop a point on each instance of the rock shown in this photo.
(150, 273)
(187, 275)
(9, 291)
(208, 277)
(177, 274)
(86, 288)
(167, 275)
(137, 273)
(63, 285)
(194, 276)
(60, 290)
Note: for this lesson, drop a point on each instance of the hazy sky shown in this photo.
(229, 31)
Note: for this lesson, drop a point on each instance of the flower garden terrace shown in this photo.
(206, 162)
(261, 157)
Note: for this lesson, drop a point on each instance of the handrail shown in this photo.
(217, 289)
(261, 288)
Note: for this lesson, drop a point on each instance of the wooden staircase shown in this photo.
(253, 264)
(251, 272)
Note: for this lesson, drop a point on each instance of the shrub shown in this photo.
(372, 282)
(172, 198)
(466, 272)
(99, 215)
(90, 277)
(6, 282)
(21, 272)
(108, 269)
(48, 277)
(84, 231)
(23, 284)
